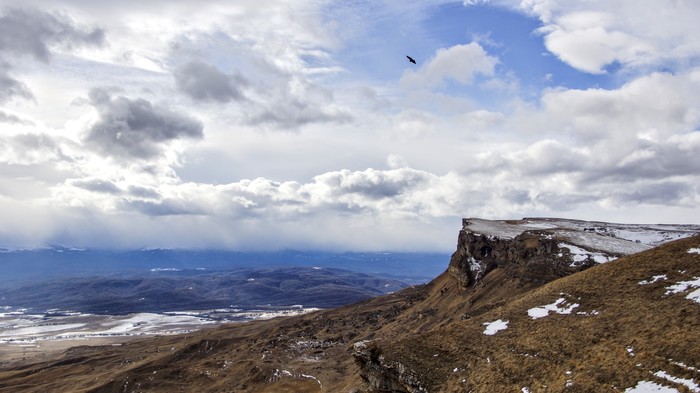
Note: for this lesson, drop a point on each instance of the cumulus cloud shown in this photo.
(394, 191)
(584, 41)
(654, 107)
(593, 35)
(373, 184)
(459, 63)
(136, 128)
(204, 82)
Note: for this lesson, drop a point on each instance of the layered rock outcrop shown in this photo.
(533, 255)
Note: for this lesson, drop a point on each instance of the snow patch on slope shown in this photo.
(650, 387)
(654, 279)
(495, 327)
(685, 286)
(689, 383)
(560, 306)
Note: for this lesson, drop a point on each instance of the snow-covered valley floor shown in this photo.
(25, 335)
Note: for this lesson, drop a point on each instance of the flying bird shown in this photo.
(411, 59)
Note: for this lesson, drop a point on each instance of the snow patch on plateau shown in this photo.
(579, 255)
(695, 250)
(608, 239)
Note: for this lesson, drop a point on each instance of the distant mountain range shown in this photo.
(19, 266)
(172, 289)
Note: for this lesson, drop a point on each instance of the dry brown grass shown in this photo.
(538, 353)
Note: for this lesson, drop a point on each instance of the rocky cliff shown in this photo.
(533, 255)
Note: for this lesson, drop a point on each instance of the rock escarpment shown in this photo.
(533, 255)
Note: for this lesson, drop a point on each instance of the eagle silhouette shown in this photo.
(411, 59)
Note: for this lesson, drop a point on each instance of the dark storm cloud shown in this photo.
(204, 82)
(136, 128)
(34, 32)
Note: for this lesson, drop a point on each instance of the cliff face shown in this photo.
(532, 256)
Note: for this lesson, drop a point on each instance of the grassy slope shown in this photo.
(538, 353)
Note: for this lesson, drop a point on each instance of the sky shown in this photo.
(271, 124)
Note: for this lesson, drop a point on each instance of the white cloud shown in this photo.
(459, 63)
(590, 36)
(590, 47)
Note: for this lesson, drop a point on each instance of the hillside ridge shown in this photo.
(469, 329)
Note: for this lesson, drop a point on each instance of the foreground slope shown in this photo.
(618, 324)
(629, 323)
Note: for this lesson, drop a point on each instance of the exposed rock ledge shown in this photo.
(381, 376)
(531, 255)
